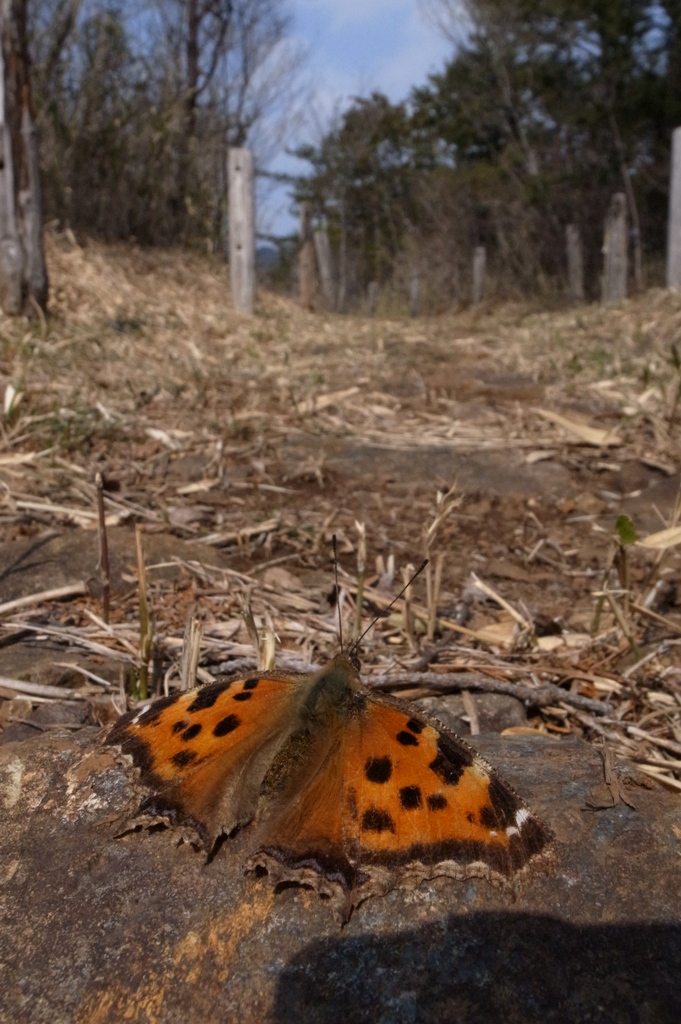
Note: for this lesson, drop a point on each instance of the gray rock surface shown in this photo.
(496, 712)
(98, 929)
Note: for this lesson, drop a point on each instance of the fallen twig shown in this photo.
(40, 689)
(535, 696)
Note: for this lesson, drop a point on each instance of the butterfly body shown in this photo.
(351, 792)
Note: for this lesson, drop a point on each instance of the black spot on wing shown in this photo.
(375, 820)
(244, 695)
(153, 713)
(378, 769)
(227, 725)
(451, 761)
(183, 758)
(436, 801)
(251, 684)
(410, 797)
(533, 837)
(179, 726)
(502, 808)
(488, 817)
(207, 696)
(414, 725)
(191, 732)
(407, 739)
(139, 750)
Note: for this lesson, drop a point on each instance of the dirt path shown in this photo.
(242, 446)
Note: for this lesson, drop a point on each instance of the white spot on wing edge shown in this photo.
(140, 713)
(521, 816)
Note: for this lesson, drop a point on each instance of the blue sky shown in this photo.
(355, 47)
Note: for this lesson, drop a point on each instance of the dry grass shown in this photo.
(226, 431)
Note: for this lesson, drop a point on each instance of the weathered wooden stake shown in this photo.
(372, 297)
(307, 269)
(674, 229)
(323, 250)
(415, 292)
(241, 228)
(479, 274)
(23, 272)
(575, 263)
(615, 251)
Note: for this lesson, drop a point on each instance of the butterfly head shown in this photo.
(333, 688)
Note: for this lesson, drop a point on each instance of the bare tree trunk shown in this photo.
(23, 273)
(323, 250)
(242, 229)
(479, 274)
(674, 230)
(575, 263)
(306, 257)
(615, 251)
(11, 255)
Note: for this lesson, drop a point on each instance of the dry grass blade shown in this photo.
(239, 536)
(76, 638)
(660, 775)
(320, 402)
(662, 539)
(656, 741)
(361, 571)
(191, 652)
(42, 596)
(494, 596)
(471, 711)
(587, 435)
(146, 625)
(103, 548)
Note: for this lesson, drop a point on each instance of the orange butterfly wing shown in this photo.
(204, 753)
(394, 798)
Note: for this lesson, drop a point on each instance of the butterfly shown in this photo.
(350, 792)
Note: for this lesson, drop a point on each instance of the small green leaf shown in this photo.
(625, 530)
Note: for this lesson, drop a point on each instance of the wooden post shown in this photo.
(306, 256)
(23, 272)
(479, 274)
(415, 292)
(323, 251)
(674, 230)
(241, 229)
(575, 263)
(615, 251)
(372, 297)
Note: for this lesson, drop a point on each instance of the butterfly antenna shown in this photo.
(386, 611)
(335, 570)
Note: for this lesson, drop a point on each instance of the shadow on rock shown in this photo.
(489, 967)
